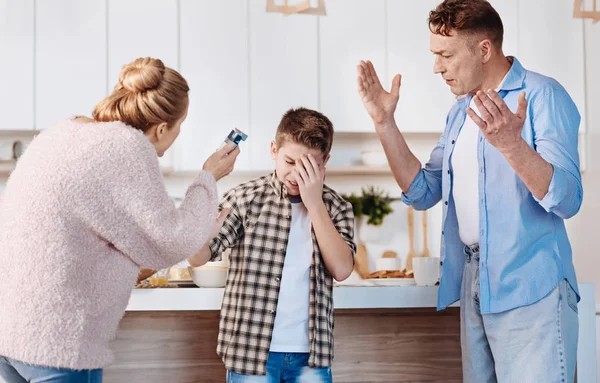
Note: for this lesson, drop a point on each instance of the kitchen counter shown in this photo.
(382, 334)
(202, 299)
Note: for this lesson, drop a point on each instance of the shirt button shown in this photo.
(441, 263)
(277, 279)
(442, 232)
(448, 171)
(272, 311)
(480, 139)
(446, 203)
(453, 142)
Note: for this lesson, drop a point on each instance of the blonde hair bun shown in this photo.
(143, 74)
(148, 93)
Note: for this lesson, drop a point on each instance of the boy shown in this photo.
(290, 236)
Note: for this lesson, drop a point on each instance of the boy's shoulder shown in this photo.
(333, 200)
(249, 189)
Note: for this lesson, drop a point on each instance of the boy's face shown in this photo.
(287, 156)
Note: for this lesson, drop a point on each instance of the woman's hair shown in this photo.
(148, 93)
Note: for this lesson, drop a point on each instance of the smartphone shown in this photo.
(235, 136)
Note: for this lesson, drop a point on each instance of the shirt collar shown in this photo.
(278, 186)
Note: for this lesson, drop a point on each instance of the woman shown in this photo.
(84, 209)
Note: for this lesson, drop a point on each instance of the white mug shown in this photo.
(426, 270)
(11, 150)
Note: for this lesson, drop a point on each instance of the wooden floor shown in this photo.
(399, 345)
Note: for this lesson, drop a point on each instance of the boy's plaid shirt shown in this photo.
(257, 230)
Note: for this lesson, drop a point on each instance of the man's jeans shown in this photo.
(535, 343)
(285, 367)
(12, 371)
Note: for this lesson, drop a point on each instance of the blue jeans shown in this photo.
(285, 368)
(12, 371)
(534, 343)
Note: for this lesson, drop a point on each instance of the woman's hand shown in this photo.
(222, 161)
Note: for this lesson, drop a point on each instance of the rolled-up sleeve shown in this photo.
(556, 125)
(426, 188)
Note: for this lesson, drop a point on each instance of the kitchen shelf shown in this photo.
(7, 166)
(331, 171)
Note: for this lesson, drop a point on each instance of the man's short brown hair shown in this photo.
(306, 127)
(468, 16)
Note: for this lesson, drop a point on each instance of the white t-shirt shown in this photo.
(465, 183)
(290, 331)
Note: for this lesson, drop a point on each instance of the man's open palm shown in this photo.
(379, 104)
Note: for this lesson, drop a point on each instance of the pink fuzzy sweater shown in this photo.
(84, 209)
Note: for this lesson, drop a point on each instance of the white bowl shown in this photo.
(209, 276)
(373, 158)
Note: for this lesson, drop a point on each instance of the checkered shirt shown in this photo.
(257, 230)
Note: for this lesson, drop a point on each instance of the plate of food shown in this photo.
(392, 278)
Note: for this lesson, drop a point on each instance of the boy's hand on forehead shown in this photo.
(309, 176)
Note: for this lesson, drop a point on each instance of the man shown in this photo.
(506, 169)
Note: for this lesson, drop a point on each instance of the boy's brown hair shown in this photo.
(306, 127)
(467, 16)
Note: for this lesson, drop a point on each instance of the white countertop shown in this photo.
(194, 299)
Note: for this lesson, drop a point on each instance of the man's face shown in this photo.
(458, 60)
(287, 156)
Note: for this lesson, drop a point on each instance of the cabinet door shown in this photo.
(551, 43)
(353, 30)
(509, 13)
(214, 60)
(425, 99)
(283, 74)
(70, 58)
(16, 44)
(142, 28)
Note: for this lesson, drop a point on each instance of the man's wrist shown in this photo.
(385, 124)
(516, 150)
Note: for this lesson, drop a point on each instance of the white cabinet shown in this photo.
(16, 64)
(283, 74)
(142, 28)
(509, 13)
(551, 43)
(425, 99)
(70, 60)
(353, 30)
(214, 61)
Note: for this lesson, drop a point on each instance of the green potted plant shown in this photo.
(370, 209)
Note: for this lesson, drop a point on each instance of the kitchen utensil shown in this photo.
(411, 239)
(361, 260)
(425, 252)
